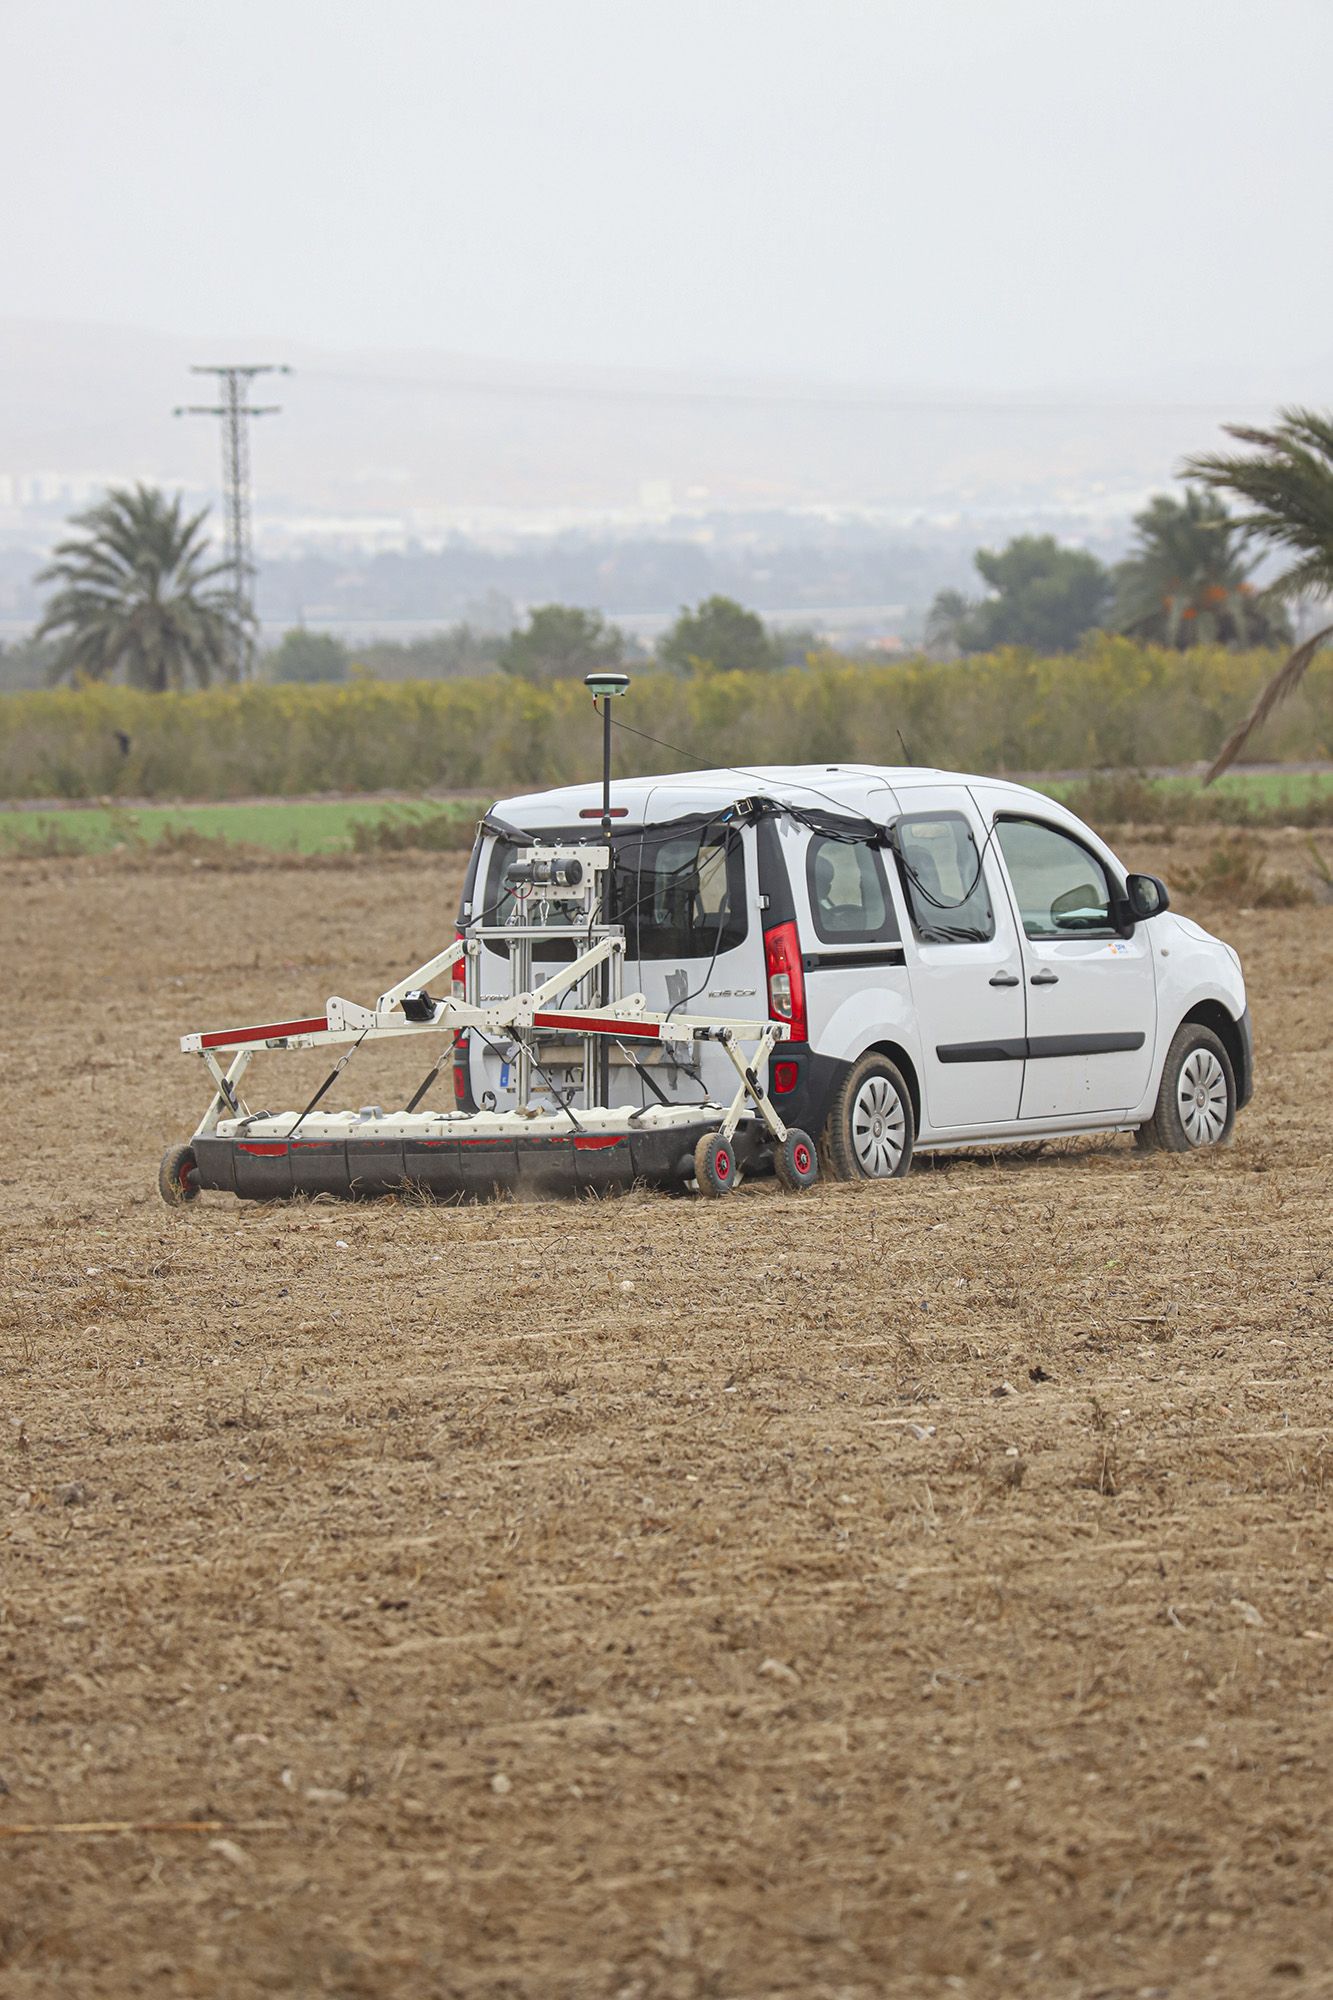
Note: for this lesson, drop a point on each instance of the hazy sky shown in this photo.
(990, 194)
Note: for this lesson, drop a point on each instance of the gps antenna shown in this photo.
(602, 687)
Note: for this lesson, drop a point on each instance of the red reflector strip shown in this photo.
(595, 812)
(316, 1025)
(596, 1024)
(588, 1142)
(273, 1152)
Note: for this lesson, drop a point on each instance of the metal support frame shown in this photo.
(602, 1015)
(227, 1096)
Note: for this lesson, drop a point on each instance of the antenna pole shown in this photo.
(603, 686)
(235, 410)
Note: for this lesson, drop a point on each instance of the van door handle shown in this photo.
(1004, 979)
(1045, 979)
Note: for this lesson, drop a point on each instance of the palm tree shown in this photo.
(1287, 483)
(944, 622)
(139, 594)
(1185, 582)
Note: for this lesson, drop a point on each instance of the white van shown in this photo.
(959, 960)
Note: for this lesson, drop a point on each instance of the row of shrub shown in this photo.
(1115, 704)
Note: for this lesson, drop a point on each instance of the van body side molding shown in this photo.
(1082, 1045)
(1034, 1047)
(974, 1052)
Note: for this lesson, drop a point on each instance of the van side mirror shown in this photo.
(1146, 896)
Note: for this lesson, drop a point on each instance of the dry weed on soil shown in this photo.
(912, 1590)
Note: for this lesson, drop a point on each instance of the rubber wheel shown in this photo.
(794, 1161)
(714, 1165)
(871, 1129)
(178, 1176)
(1196, 1103)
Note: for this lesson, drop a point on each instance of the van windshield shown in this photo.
(679, 889)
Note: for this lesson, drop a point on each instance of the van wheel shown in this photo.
(870, 1131)
(1196, 1104)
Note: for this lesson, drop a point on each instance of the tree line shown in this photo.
(137, 598)
(1113, 705)
(1187, 581)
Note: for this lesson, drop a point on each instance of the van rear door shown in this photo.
(686, 893)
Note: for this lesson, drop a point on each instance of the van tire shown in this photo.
(1196, 1057)
(871, 1130)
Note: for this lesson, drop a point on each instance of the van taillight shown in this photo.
(786, 979)
(458, 983)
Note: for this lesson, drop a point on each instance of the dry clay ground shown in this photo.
(904, 1590)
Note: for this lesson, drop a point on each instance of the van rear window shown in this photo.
(680, 890)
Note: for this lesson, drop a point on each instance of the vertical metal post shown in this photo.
(609, 906)
(602, 686)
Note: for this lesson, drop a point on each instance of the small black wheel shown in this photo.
(714, 1165)
(794, 1162)
(178, 1176)
(870, 1130)
(1196, 1104)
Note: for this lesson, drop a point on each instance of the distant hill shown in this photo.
(417, 442)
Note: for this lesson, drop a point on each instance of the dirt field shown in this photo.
(917, 1590)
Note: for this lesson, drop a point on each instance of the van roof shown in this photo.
(847, 787)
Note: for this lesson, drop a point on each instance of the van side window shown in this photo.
(943, 879)
(849, 893)
(1062, 890)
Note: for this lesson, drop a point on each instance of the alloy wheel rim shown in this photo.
(879, 1128)
(1201, 1097)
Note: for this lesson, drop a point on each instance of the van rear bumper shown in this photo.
(817, 1080)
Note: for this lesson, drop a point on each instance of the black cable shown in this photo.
(737, 770)
(329, 1080)
(722, 819)
(928, 895)
(542, 1072)
(717, 941)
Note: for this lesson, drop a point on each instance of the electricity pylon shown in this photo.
(235, 410)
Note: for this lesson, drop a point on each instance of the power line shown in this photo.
(853, 401)
(235, 410)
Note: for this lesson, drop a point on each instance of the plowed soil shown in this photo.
(918, 1589)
